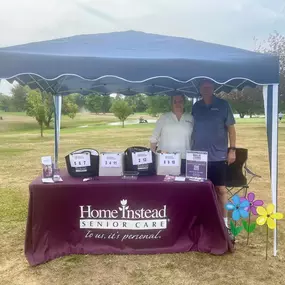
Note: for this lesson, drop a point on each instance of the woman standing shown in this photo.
(173, 130)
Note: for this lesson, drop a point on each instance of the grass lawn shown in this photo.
(20, 150)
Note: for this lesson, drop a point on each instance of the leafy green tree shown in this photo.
(254, 99)
(141, 103)
(188, 105)
(97, 103)
(121, 110)
(40, 105)
(78, 99)
(137, 102)
(93, 103)
(69, 106)
(249, 101)
(131, 102)
(49, 107)
(158, 104)
(106, 104)
(6, 103)
(36, 107)
(162, 103)
(19, 94)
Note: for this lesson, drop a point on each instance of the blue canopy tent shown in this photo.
(135, 62)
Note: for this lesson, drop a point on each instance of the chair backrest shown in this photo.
(235, 172)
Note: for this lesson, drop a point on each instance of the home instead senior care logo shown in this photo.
(123, 218)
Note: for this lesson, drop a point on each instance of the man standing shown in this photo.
(213, 126)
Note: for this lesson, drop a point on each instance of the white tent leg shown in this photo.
(265, 90)
(270, 95)
(274, 156)
(57, 120)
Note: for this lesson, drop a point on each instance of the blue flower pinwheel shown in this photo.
(238, 208)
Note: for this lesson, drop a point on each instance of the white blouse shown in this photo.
(172, 135)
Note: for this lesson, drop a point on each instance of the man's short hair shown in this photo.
(205, 80)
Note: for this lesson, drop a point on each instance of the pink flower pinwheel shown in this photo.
(253, 204)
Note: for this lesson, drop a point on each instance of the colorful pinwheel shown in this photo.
(238, 208)
(267, 216)
(247, 225)
(252, 203)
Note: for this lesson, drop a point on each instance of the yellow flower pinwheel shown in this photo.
(267, 216)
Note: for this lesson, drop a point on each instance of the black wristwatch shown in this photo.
(232, 148)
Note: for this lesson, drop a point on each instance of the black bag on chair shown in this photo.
(238, 174)
(144, 169)
(235, 172)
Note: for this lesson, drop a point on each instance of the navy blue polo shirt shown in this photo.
(210, 131)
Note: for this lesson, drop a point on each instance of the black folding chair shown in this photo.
(239, 176)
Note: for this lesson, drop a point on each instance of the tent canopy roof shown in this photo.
(133, 62)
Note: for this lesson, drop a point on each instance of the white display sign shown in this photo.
(46, 160)
(196, 165)
(80, 159)
(170, 159)
(143, 157)
(198, 156)
(112, 160)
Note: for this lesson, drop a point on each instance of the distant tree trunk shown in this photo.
(242, 115)
(42, 129)
(123, 124)
(48, 120)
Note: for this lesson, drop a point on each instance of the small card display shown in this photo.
(143, 157)
(111, 160)
(80, 159)
(171, 159)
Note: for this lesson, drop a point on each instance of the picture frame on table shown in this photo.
(196, 165)
(47, 167)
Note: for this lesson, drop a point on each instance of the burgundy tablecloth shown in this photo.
(115, 216)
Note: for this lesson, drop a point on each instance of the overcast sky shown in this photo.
(229, 22)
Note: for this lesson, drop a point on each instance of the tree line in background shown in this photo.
(39, 105)
(248, 101)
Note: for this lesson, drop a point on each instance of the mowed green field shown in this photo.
(20, 150)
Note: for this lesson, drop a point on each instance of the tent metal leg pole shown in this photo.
(274, 157)
(57, 121)
(265, 91)
(270, 94)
